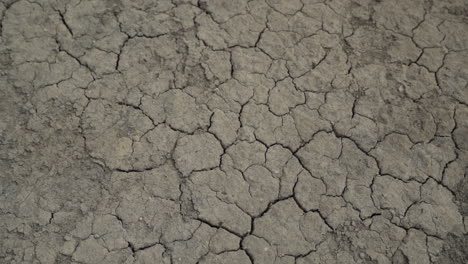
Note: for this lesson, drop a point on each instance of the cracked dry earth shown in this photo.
(234, 131)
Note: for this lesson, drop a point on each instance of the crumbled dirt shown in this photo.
(233, 131)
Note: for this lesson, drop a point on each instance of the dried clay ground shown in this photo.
(234, 131)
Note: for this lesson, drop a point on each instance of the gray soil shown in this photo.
(234, 131)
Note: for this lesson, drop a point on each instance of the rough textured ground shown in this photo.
(234, 131)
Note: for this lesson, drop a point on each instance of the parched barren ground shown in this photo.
(234, 131)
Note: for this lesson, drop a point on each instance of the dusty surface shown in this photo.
(233, 131)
